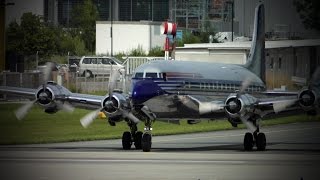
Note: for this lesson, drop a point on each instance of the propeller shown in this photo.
(24, 109)
(65, 106)
(47, 72)
(89, 118)
(245, 84)
(314, 85)
(208, 107)
(283, 105)
(247, 123)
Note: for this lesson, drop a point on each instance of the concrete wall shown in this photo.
(15, 11)
(127, 36)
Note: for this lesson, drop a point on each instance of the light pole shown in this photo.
(111, 22)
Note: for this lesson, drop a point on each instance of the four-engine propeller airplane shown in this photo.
(181, 89)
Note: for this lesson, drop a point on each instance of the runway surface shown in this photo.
(293, 152)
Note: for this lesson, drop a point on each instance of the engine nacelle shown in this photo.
(239, 105)
(112, 105)
(308, 100)
(48, 95)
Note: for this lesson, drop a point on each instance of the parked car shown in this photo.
(91, 66)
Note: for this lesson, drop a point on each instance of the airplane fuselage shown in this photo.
(162, 85)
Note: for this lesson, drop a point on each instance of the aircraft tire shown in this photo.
(126, 140)
(248, 141)
(146, 142)
(137, 140)
(261, 142)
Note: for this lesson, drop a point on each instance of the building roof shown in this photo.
(247, 44)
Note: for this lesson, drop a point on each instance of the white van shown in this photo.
(91, 66)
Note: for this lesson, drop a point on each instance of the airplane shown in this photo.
(165, 89)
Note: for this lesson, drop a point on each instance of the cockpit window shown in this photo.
(139, 75)
(151, 75)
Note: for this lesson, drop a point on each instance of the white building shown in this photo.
(127, 36)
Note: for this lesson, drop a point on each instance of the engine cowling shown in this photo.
(112, 105)
(239, 105)
(308, 100)
(49, 94)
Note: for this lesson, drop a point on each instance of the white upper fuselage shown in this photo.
(185, 77)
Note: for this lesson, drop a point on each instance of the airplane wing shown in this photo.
(58, 93)
(24, 92)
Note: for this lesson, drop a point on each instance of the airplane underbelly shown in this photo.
(171, 106)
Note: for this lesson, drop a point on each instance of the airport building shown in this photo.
(136, 23)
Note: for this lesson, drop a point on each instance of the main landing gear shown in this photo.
(140, 140)
(133, 137)
(256, 138)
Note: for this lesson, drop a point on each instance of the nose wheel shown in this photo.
(258, 139)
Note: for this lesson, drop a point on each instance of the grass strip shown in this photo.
(40, 127)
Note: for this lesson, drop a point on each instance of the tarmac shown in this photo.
(293, 152)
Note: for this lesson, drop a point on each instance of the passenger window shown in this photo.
(138, 75)
(94, 61)
(105, 61)
(112, 62)
(99, 61)
(164, 76)
(151, 75)
(87, 61)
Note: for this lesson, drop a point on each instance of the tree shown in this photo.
(84, 18)
(309, 11)
(31, 36)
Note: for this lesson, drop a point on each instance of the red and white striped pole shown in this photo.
(168, 28)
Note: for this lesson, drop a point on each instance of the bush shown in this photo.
(137, 52)
(156, 52)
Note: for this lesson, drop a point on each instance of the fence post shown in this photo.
(4, 84)
(21, 80)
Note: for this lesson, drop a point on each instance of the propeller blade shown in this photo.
(23, 110)
(114, 76)
(281, 106)
(47, 71)
(209, 107)
(247, 123)
(65, 106)
(89, 118)
(245, 84)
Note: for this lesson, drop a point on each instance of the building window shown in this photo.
(280, 63)
(271, 63)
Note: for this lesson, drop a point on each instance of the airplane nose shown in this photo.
(144, 90)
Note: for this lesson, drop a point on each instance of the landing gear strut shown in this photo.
(256, 138)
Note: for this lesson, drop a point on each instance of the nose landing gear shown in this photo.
(256, 138)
